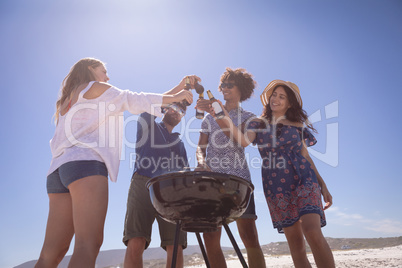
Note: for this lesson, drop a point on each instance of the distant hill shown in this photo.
(156, 257)
(112, 258)
(279, 248)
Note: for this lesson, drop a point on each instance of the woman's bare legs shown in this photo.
(89, 202)
(319, 246)
(309, 226)
(59, 231)
(297, 246)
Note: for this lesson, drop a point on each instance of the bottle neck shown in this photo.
(211, 97)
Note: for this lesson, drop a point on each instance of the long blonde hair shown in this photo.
(79, 74)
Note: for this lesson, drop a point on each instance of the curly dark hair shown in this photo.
(243, 80)
(295, 113)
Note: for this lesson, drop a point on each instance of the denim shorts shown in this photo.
(250, 210)
(58, 181)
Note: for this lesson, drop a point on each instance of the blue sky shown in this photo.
(345, 56)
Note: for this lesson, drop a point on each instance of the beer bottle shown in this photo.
(198, 88)
(187, 87)
(216, 106)
(200, 114)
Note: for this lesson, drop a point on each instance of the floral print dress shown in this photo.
(290, 184)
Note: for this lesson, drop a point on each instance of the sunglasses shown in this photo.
(175, 108)
(228, 85)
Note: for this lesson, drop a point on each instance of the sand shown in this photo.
(364, 258)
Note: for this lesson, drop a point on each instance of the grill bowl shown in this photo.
(200, 200)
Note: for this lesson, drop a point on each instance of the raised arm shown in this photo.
(178, 93)
(243, 137)
(193, 79)
(174, 95)
(178, 97)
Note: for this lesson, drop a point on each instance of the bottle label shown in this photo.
(217, 107)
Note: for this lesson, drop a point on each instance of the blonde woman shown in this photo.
(86, 150)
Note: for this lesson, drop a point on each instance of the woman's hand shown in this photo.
(178, 97)
(223, 109)
(204, 105)
(193, 79)
(184, 95)
(327, 197)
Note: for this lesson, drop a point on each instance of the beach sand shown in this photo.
(363, 258)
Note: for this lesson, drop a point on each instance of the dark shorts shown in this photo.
(250, 210)
(58, 181)
(141, 214)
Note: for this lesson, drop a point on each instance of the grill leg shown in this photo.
(204, 253)
(235, 246)
(176, 244)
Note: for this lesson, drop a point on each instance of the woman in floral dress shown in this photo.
(291, 182)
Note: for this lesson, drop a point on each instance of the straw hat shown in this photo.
(270, 88)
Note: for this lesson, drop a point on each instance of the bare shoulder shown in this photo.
(294, 124)
(291, 123)
(97, 89)
(258, 119)
(261, 121)
(299, 124)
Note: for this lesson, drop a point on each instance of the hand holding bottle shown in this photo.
(204, 105)
(183, 95)
(199, 114)
(217, 107)
(224, 112)
(188, 82)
